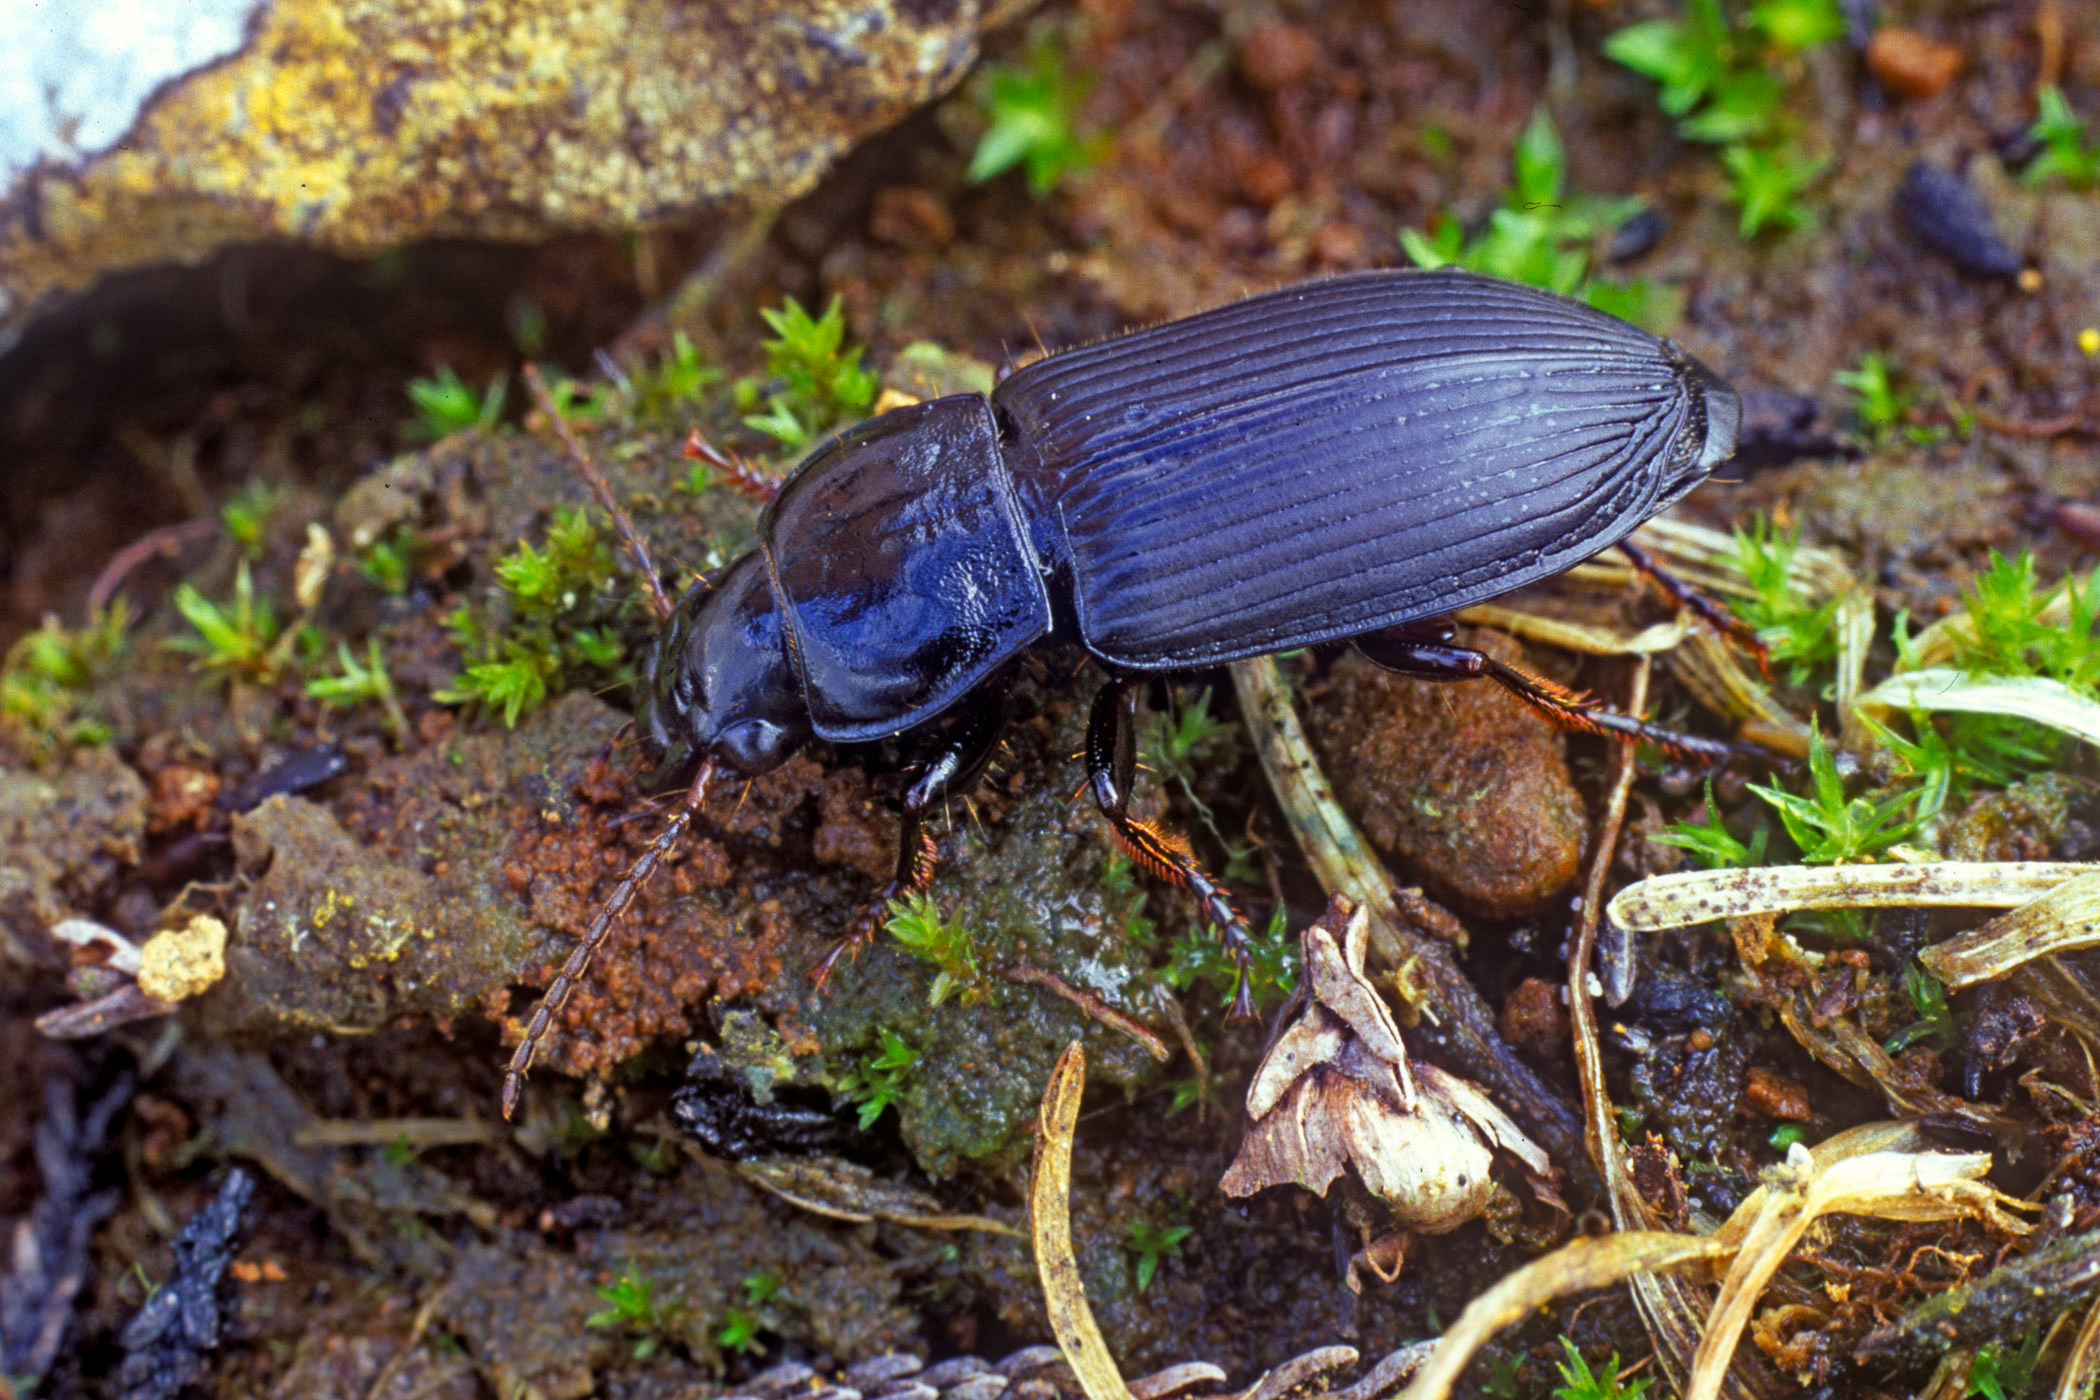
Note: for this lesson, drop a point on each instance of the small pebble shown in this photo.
(1775, 1096)
(943, 1374)
(877, 1369)
(1636, 236)
(1277, 54)
(1951, 219)
(1911, 64)
(1028, 1359)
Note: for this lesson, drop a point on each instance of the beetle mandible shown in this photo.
(1341, 459)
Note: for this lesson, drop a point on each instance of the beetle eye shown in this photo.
(754, 746)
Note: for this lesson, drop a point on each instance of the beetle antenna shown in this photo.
(593, 478)
(594, 937)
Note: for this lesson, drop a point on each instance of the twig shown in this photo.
(1091, 1006)
(164, 541)
(416, 1329)
(593, 478)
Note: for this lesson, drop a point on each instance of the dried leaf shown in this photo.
(1050, 1223)
(2035, 698)
(2066, 918)
(1697, 896)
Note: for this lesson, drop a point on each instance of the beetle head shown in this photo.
(1718, 414)
(720, 683)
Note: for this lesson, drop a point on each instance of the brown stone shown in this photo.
(1460, 781)
(1911, 64)
(1278, 54)
(1773, 1095)
(1534, 1020)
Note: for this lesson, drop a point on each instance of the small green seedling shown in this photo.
(2008, 636)
(2066, 154)
(1711, 843)
(633, 1307)
(247, 516)
(1832, 829)
(554, 622)
(1768, 182)
(1936, 1021)
(1803, 635)
(1578, 1382)
(814, 379)
(362, 681)
(1542, 234)
(1032, 121)
(47, 671)
(445, 405)
(1151, 1243)
(1999, 1374)
(1198, 956)
(1722, 82)
(674, 381)
(238, 639)
(879, 1078)
(916, 922)
(741, 1325)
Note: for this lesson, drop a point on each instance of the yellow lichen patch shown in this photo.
(178, 963)
(332, 903)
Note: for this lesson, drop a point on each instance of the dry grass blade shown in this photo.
(841, 1190)
(1699, 896)
(1573, 1268)
(1341, 860)
(1590, 639)
(2035, 698)
(1889, 1185)
(1050, 1223)
(1299, 1372)
(2081, 1371)
(2066, 918)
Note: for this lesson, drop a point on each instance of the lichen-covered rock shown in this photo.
(64, 835)
(1461, 781)
(339, 931)
(356, 125)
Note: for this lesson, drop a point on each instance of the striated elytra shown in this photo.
(1341, 459)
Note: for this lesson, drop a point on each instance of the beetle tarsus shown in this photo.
(1423, 654)
(918, 854)
(1704, 607)
(1111, 759)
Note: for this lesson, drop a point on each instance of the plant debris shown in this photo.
(169, 1342)
(48, 1256)
(1335, 1093)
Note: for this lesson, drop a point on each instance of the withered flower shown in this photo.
(1336, 1091)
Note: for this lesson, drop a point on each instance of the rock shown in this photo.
(1461, 781)
(145, 134)
(1951, 219)
(66, 834)
(1911, 64)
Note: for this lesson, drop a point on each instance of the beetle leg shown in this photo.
(1684, 595)
(1111, 762)
(960, 758)
(1410, 655)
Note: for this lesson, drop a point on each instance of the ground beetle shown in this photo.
(1342, 459)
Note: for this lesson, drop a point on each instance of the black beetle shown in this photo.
(1341, 459)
